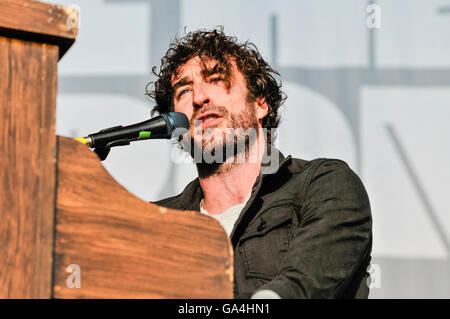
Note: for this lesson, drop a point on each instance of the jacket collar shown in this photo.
(273, 160)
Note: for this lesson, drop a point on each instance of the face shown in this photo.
(215, 102)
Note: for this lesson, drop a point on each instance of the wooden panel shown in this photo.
(127, 248)
(38, 17)
(27, 167)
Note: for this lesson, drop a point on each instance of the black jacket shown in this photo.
(305, 232)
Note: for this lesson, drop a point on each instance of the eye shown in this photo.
(182, 92)
(215, 80)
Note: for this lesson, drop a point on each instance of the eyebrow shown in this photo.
(184, 81)
(211, 71)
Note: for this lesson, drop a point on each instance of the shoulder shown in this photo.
(328, 176)
(298, 164)
(334, 171)
(169, 202)
(320, 166)
(188, 199)
(332, 183)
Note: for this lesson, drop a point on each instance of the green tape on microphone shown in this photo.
(144, 135)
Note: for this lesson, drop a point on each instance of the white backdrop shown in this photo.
(378, 98)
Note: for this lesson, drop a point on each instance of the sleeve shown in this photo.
(333, 239)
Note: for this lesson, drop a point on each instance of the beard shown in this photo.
(216, 151)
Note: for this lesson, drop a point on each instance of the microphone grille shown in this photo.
(176, 121)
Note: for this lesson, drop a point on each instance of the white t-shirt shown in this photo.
(228, 217)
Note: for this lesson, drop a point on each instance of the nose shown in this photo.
(200, 96)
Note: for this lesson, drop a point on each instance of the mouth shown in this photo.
(209, 119)
(207, 116)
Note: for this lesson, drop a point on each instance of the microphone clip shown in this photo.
(103, 152)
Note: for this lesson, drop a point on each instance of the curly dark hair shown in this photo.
(260, 76)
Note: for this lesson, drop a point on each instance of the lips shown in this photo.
(207, 116)
(209, 119)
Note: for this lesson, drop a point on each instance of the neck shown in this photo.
(232, 182)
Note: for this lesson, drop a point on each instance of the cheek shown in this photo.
(179, 107)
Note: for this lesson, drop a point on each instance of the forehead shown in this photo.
(198, 65)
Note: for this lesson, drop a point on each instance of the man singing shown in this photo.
(299, 229)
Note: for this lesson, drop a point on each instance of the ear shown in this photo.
(261, 108)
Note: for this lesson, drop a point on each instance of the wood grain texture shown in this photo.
(38, 17)
(39, 22)
(127, 248)
(27, 167)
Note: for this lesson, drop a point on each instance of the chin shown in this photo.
(210, 145)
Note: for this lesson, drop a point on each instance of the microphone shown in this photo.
(159, 127)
